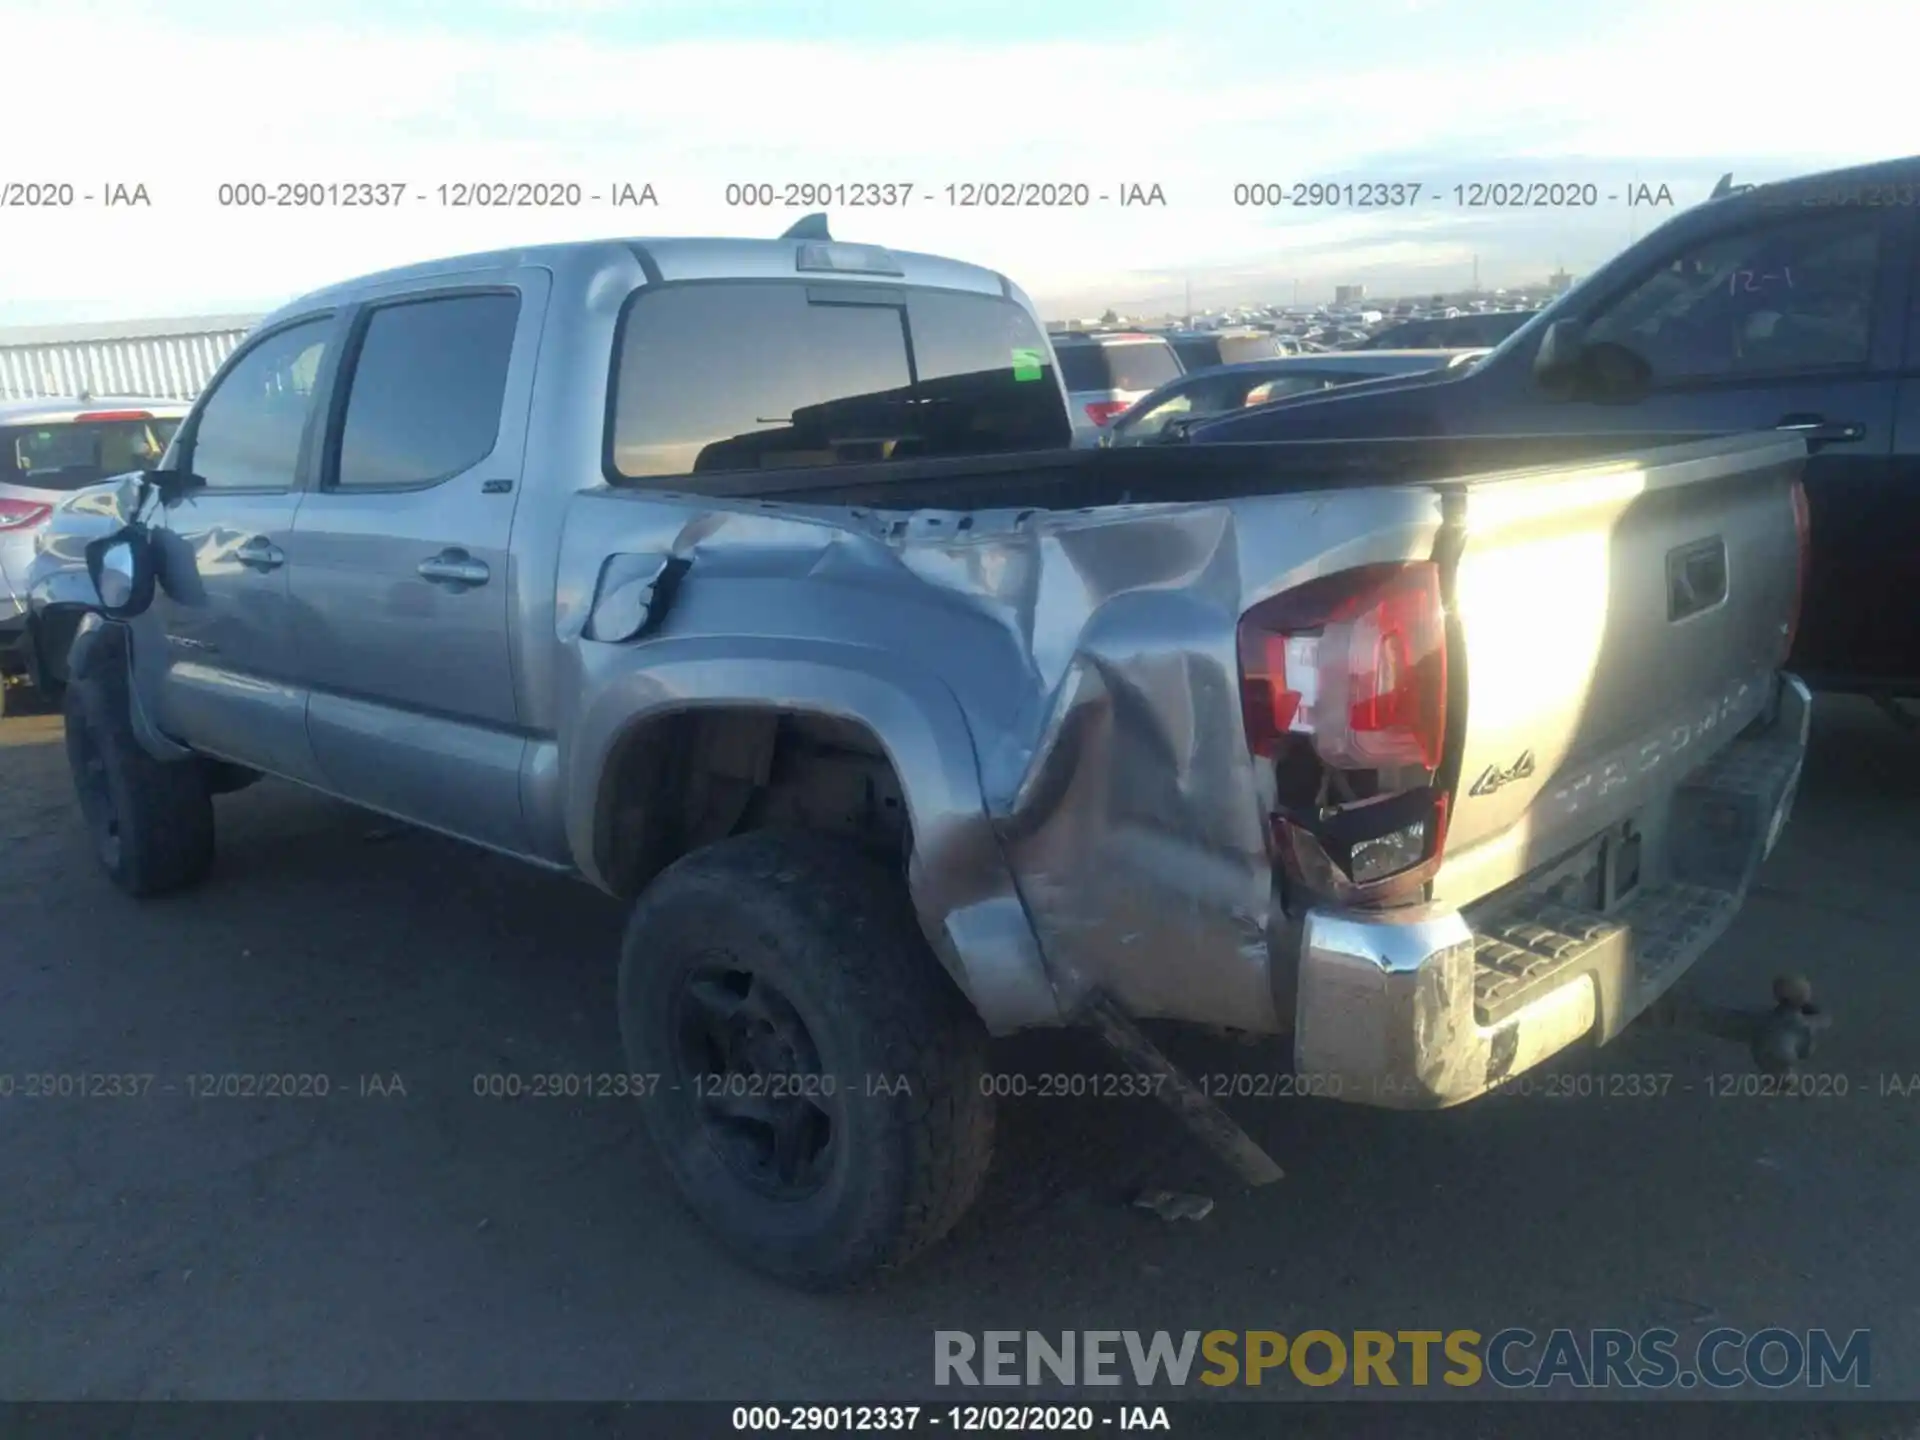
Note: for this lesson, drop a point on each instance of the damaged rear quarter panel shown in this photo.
(1058, 691)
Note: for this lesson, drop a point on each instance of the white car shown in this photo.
(50, 448)
(1105, 372)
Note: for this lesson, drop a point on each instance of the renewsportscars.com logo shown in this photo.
(1513, 1359)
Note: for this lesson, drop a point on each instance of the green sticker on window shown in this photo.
(1028, 364)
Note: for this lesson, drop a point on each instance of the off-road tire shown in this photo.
(150, 821)
(836, 935)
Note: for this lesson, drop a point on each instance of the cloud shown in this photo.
(581, 91)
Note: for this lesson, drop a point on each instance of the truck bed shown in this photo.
(1085, 614)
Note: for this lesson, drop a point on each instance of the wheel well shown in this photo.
(106, 645)
(49, 641)
(692, 777)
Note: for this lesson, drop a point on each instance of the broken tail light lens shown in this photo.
(1348, 674)
(1357, 662)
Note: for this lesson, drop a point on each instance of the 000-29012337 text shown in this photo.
(962, 1419)
(1405, 194)
(455, 195)
(960, 195)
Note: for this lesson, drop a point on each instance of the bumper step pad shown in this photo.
(1719, 832)
(1534, 948)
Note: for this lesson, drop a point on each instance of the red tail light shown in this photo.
(1803, 536)
(1357, 661)
(1102, 411)
(1349, 674)
(19, 514)
(107, 415)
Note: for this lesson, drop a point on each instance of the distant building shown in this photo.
(1559, 282)
(1349, 294)
(165, 359)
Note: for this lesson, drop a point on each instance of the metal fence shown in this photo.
(171, 359)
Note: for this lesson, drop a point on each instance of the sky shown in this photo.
(1195, 97)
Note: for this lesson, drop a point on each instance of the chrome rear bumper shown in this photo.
(1434, 1007)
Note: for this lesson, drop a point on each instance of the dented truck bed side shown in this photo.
(1059, 695)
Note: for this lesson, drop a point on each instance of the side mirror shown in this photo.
(1614, 373)
(1570, 366)
(1557, 363)
(171, 486)
(122, 570)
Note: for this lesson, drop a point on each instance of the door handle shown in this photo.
(455, 569)
(260, 553)
(1818, 427)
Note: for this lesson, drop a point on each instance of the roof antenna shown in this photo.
(1724, 188)
(808, 227)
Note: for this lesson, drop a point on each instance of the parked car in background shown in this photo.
(1788, 306)
(1202, 349)
(1105, 372)
(1486, 329)
(1221, 388)
(50, 448)
(1343, 337)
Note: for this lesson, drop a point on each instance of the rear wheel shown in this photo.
(151, 822)
(819, 1102)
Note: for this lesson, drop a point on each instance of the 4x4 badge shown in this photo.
(1493, 777)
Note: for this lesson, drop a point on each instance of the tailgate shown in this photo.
(1618, 625)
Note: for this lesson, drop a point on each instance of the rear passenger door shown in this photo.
(400, 570)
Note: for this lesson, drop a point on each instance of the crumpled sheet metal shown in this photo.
(1094, 657)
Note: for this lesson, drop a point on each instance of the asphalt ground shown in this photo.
(407, 1238)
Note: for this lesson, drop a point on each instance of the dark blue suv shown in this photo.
(1787, 306)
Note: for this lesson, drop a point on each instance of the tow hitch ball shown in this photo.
(1780, 1038)
(1783, 1037)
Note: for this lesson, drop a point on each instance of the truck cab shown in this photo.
(1784, 306)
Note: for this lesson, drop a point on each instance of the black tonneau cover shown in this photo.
(1143, 474)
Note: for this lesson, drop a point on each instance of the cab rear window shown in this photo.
(754, 375)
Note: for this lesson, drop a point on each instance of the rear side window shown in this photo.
(74, 454)
(1197, 354)
(1083, 367)
(775, 374)
(1124, 365)
(1239, 349)
(427, 388)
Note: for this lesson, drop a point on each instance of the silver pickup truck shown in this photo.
(755, 582)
